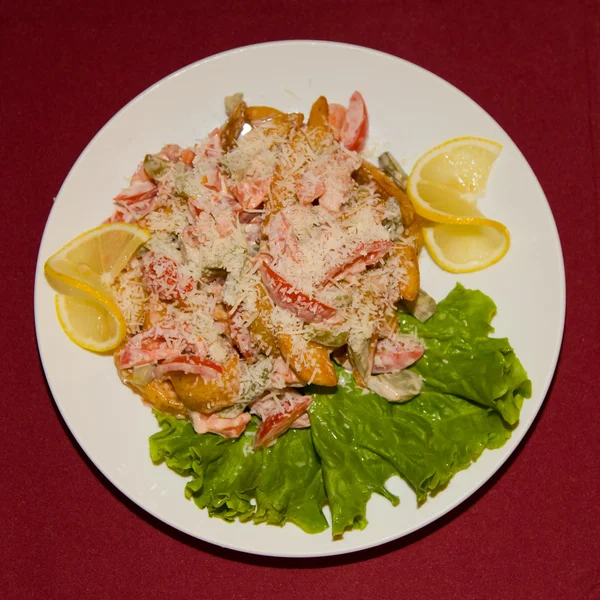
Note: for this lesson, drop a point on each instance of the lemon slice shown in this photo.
(96, 257)
(466, 248)
(444, 187)
(90, 323)
(82, 271)
(447, 181)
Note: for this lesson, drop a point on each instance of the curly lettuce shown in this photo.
(462, 360)
(363, 439)
(473, 392)
(277, 485)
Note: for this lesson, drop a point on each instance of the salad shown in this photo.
(273, 256)
(276, 324)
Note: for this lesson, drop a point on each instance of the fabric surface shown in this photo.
(532, 531)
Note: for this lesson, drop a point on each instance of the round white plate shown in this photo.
(410, 111)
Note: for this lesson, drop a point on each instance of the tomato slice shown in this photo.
(227, 428)
(286, 296)
(393, 355)
(251, 193)
(337, 116)
(162, 276)
(356, 124)
(282, 240)
(136, 192)
(189, 363)
(121, 215)
(276, 422)
(363, 255)
(154, 344)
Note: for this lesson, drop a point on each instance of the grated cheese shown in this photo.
(304, 211)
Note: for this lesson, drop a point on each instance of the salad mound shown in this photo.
(474, 387)
(275, 253)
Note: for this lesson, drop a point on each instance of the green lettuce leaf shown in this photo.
(473, 392)
(363, 439)
(172, 443)
(280, 484)
(290, 485)
(472, 395)
(463, 361)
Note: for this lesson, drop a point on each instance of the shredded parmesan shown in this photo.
(280, 198)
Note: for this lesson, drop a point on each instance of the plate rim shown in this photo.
(519, 433)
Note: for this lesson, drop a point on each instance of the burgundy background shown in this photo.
(66, 67)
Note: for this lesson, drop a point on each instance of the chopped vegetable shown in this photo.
(399, 386)
(422, 307)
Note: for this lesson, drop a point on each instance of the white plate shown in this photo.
(410, 111)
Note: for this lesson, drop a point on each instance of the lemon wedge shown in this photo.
(91, 323)
(83, 271)
(466, 248)
(447, 181)
(97, 256)
(444, 187)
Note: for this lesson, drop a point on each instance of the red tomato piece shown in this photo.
(356, 124)
(154, 344)
(393, 355)
(287, 296)
(337, 116)
(137, 192)
(363, 255)
(251, 193)
(276, 422)
(162, 276)
(282, 240)
(227, 428)
(121, 215)
(189, 363)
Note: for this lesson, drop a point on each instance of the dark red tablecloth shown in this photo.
(66, 67)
